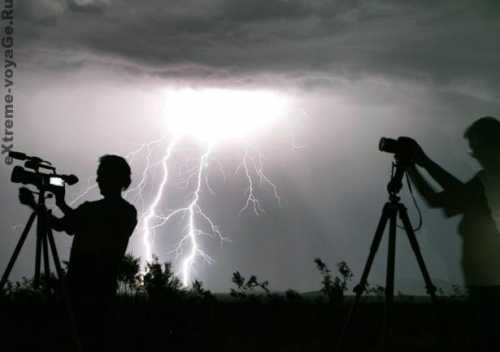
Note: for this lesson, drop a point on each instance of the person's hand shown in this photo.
(59, 193)
(418, 154)
(26, 197)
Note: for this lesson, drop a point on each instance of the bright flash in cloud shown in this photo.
(213, 115)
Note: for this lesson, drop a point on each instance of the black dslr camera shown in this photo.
(49, 181)
(403, 148)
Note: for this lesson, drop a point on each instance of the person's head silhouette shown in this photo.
(484, 140)
(113, 175)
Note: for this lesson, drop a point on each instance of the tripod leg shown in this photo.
(431, 289)
(38, 257)
(361, 287)
(65, 291)
(389, 281)
(19, 245)
(45, 249)
(46, 262)
(386, 215)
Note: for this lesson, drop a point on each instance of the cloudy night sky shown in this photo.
(91, 77)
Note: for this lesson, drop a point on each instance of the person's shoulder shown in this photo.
(475, 183)
(130, 213)
(477, 176)
(89, 207)
(86, 205)
(129, 208)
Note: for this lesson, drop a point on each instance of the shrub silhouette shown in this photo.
(160, 281)
(293, 296)
(199, 293)
(129, 276)
(377, 290)
(246, 289)
(333, 288)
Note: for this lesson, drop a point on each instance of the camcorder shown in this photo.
(403, 148)
(32, 174)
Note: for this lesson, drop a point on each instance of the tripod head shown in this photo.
(404, 151)
(399, 168)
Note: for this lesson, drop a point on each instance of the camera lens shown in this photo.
(388, 145)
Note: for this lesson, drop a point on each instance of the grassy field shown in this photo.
(276, 324)
(153, 312)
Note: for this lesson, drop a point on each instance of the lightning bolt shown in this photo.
(188, 250)
(253, 163)
(152, 219)
(151, 213)
(157, 164)
(193, 232)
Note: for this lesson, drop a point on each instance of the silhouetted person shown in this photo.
(101, 231)
(478, 201)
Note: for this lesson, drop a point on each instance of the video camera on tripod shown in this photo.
(45, 182)
(49, 182)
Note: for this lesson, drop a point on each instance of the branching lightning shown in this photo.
(257, 167)
(151, 214)
(209, 116)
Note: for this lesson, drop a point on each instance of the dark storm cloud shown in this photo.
(265, 10)
(47, 10)
(450, 43)
(41, 12)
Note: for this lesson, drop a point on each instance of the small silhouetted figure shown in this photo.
(101, 231)
(478, 202)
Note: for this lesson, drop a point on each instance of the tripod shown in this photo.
(44, 243)
(391, 210)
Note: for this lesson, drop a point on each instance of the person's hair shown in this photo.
(486, 130)
(116, 168)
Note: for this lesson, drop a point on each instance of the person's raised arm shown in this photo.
(445, 179)
(454, 195)
(427, 192)
(61, 202)
(442, 177)
(67, 222)
(26, 197)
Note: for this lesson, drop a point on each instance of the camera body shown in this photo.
(30, 174)
(403, 148)
(48, 182)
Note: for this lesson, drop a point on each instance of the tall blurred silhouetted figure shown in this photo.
(478, 202)
(101, 231)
